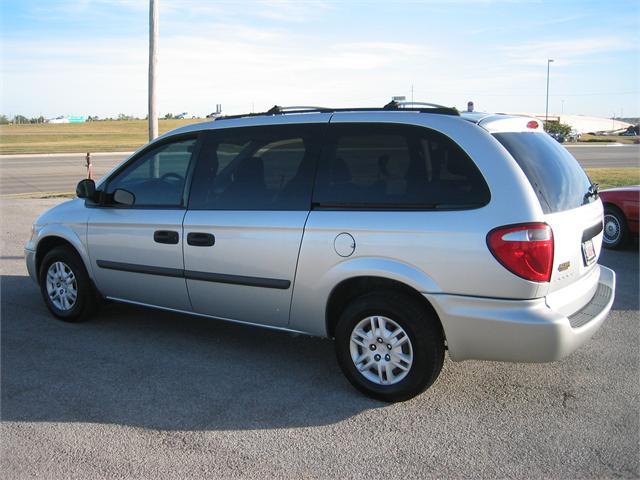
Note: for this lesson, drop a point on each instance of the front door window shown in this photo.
(158, 177)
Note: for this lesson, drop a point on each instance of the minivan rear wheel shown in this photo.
(389, 345)
(65, 285)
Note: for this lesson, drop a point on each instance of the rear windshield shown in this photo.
(556, 177)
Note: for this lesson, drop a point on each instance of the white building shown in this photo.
(69, 119)
(584, 124)
(58, 120)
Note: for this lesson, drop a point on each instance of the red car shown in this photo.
(620, 215)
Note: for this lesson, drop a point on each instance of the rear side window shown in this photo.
(396, 167)
(256, 168)
(556, 177)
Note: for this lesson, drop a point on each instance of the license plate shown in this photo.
(588, 252)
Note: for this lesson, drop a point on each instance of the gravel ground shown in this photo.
(144, 394)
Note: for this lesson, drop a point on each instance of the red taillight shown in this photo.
(526, 250)
(532, 124)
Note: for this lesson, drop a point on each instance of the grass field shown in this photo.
(614, 177)
(604, 139)
(104, 136)
(119, 136)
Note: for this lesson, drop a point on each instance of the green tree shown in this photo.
(557, 127)
(3, 120)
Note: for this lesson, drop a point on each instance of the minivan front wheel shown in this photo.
(65, 285)
(389, 345)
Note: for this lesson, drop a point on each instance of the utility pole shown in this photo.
(546, 112)
(153, 61)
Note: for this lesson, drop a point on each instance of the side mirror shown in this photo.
(86, 189)
(124, 197)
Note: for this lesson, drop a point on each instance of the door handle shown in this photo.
(166, 236)
(199, 239)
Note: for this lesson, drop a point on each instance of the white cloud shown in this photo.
(211, 52)
(283, 11)
(195, 72)
(566, 50)
(291, 10)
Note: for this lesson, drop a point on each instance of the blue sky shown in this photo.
(89, 57)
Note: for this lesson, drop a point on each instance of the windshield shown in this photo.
(555, 175)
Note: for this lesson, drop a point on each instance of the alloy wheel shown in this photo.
(381, 350)
(612, 229)
(62, 287)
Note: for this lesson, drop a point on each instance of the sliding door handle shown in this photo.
(199, 239)
(166, 236)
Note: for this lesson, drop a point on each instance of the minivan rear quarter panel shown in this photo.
(431, 251)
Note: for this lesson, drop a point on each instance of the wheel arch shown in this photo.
(51, 240)
(353, 287)
(614, 206)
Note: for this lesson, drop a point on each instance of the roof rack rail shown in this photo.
(297, 109)
(425, 104)
(433, 107)
(393, 105)
(278, 110)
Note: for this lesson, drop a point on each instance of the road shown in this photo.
(144, 394)
(60, 173)
(606, 156)
(50, 173)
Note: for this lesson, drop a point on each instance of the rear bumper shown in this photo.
(520, 330)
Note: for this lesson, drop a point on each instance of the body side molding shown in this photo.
(195, 275)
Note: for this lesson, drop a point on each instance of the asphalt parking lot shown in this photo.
(144, 394)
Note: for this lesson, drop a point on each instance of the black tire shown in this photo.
(616, 231)
(422, 328)
(86, 299)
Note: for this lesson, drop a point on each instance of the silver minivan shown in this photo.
(401, 232)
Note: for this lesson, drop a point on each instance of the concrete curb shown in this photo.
(98, 154)
(41, 195)
(53, 155)
(599, 144)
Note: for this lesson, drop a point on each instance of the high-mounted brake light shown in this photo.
(532, 124)
(525, 250)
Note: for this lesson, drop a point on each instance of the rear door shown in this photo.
(250, 200)
(566, 198)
